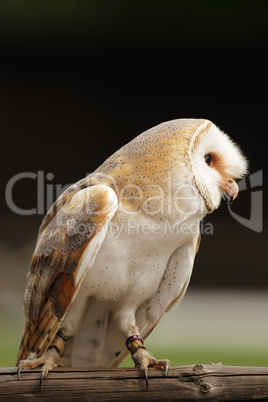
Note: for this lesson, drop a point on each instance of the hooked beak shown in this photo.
(230, 187)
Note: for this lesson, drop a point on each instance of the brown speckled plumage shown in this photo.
(116, 250)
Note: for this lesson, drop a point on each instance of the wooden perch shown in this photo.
(200, 382)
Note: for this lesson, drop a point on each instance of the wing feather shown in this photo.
(67, 245)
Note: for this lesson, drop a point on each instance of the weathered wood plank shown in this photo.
(199, 382)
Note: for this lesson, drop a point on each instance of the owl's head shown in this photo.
(217, 163)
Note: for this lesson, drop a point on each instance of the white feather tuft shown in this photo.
(231, 164)
(219, 142)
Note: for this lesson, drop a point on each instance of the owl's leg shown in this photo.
(142, 358)
(50, 359)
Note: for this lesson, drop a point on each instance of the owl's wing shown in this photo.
(68, 242)
(168, 296)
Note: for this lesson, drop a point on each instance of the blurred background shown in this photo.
(79, 79)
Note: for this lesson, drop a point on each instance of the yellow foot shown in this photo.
(48, 360)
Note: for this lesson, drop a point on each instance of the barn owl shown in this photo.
(116, 250)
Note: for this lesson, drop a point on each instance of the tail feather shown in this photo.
(39, 334)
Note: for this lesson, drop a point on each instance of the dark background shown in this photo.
(79, 79)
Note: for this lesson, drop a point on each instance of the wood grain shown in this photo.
(185, 383)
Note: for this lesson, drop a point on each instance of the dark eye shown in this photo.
(208, 159)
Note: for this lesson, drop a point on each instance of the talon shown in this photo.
(19, 370)
(166, 368)
(143, 359)
(42, 376)
(48, 360)
(145, 372)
